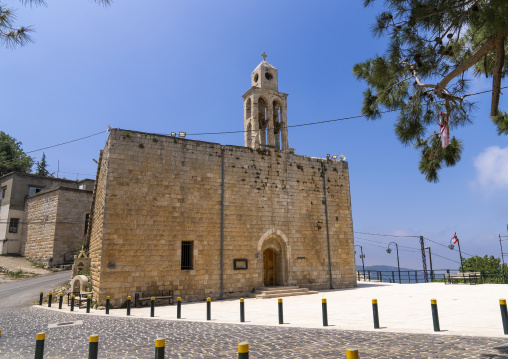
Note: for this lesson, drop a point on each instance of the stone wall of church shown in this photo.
(154, 192)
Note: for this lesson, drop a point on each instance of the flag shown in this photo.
(445, 129)
(455, 239)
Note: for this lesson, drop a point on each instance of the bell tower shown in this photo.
(265, 119)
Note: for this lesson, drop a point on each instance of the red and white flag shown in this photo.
(445, 129)
(455, 239)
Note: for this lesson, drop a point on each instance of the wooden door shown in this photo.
(270, 267)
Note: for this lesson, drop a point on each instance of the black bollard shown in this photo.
(242, 310)
(504, 314)
(159, 348)
(325, 312)
(152, 307)
(50, 298)
(39, 345)
(178, 308)
(435, 316)
(128, 305)
(72, 302)
(208, 309)
(40, 298)
(60, 301)
(93, 348)
(243, 350)
(375, 313)
(88, 300)
(281, 315)
(107, 305)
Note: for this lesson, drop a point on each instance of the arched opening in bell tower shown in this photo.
(248, 108)
(262, 110)
(277, 124)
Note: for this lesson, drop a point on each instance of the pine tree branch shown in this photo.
(486, 47)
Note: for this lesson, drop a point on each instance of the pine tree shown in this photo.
(42, 167)
(12, 36)
(435, 48)
(12, 156)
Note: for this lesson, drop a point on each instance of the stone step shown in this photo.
(264, 289)
(284, 291)
(277, 292)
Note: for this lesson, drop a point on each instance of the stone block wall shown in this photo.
(56, 224)
(153, 192)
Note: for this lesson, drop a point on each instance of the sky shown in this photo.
(168, 66)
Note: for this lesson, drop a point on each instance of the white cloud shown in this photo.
(492, 168)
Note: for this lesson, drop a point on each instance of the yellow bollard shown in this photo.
(243, 350)
(352, 354)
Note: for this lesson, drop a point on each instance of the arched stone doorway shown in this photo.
(274, 247)
(269, 267)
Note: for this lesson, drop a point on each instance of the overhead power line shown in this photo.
(314, 123)
(387, 235)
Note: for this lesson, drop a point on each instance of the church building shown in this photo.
(203, 219)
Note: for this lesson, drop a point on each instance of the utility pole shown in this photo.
(430, 260)
(424, 260)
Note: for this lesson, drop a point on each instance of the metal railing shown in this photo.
(498, 276)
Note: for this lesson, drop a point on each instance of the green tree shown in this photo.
(11, 35)
(42, 167)
(490, 268)
(435, 49)
(12, 156)
(472, 264)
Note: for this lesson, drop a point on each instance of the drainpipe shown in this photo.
(327, 230)
(222, 226)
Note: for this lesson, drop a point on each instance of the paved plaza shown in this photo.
(469, 316)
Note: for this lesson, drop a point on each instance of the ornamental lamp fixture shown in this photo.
(388, 251)
(451, 246)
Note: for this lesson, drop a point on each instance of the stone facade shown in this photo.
(155, 192)
(15, 189)
(208, 220)
(56, 225)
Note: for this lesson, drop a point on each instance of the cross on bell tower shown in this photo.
(265, 118)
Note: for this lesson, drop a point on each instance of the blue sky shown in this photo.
(163, 66)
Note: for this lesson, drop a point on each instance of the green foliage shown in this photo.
(17, 274)
(12, 156)
(12, 36)
(431, 46)
(42, 167)
(501, 121)
(473, 264)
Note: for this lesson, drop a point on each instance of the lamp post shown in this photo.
(430, 260)
(388, 250)
(451, 246)
(362, 256)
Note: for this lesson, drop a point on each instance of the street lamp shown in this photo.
(388, 250)
(454, 240)
(362, 256)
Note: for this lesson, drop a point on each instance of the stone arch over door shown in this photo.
(274, 242)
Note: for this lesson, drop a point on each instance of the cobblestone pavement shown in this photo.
(134, 338)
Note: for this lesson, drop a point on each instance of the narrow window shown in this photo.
(187, 255)
(3, 192)
(13, 225)
(87, 222)
(34, 190)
